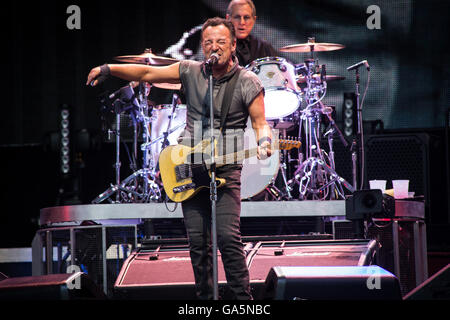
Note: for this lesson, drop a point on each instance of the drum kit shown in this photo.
(293, 99)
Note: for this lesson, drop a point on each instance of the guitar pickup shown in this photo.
(184, 187)
(183, 171)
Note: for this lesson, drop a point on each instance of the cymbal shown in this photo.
(168, 86)
(146, 58)
(302, 79)
(312, 46)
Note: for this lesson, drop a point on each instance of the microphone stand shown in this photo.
(357, 152)
(166, 142)
(213, 187)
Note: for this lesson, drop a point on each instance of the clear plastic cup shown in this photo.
(400, 188)
(378, 184)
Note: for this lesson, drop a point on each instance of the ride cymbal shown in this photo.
(147, 58)
(312, 46)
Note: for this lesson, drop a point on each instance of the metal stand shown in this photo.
(316, 175)
(119, 106)
(358, 152)
(213, 189)
(141, 185)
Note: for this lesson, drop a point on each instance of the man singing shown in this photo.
(218, 38)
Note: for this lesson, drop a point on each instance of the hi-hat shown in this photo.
(302, 79)
(312, 46)
(147, 58)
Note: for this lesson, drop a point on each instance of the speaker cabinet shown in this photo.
(265, 255)
(162, 273)
(401, 156)
(66, 286)
(331, 283)
(165, 272)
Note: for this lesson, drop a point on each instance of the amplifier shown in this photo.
(165, 272)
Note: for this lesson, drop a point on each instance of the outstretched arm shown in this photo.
(136, 72)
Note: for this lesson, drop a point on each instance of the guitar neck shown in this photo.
(236, 157)
(239, 156)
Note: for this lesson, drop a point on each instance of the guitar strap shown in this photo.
(228, 97)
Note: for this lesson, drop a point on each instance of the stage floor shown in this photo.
(255, 209)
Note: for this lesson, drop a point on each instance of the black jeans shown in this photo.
(197, 220)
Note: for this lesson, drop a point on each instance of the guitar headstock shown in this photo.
(288, 144)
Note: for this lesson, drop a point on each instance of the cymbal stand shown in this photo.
(316, 174)
(336, 189)
(124, 102)
(140, 186)
(283, 168)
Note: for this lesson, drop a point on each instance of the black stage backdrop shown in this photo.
(45, 65)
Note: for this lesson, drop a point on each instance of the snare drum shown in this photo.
(285, 123)
(257, 174)
(282, 94)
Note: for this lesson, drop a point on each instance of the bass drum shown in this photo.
(160, 121)
(257, 174)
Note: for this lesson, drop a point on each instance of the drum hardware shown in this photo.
(316, 176)
(124, 101)
(328, 78)
(142, 185)
(282, 100)
(283, 168)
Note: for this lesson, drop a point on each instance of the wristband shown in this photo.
(264, 139)
(105, 70)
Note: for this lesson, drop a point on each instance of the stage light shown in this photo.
(64, 136)
(349, 116)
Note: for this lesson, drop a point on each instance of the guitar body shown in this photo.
(184, 172)
(181, 179)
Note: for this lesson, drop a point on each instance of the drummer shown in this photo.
(242, 13)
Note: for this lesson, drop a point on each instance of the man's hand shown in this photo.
(264, 150)
(98, 75)
(92, 77)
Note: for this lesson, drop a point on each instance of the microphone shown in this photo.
(125, 96)
(212, 60)
(359, 64)
(125, 93)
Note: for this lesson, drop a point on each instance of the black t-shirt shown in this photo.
(252, 48)
(195, 86)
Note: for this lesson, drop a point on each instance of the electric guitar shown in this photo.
(185, 171)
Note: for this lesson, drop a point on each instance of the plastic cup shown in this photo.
(378, 184)
(400, 188)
